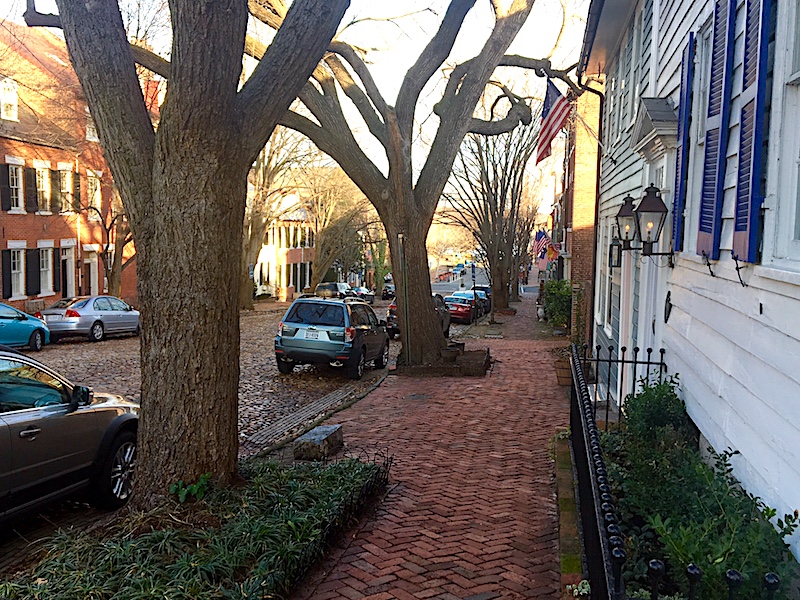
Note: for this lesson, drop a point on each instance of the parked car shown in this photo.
(57, 438)
(478, 300)
(333, 289)
(20, 329)
(442, 312)
(460, 309)
(92, 316)
(388, 291)
(487, 289)
(365, 294)
(337, 332)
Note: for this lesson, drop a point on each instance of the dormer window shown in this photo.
(91, 130)
(9, 100)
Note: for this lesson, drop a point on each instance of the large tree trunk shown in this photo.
(191, 429)
(413, 287)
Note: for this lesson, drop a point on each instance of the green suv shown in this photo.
(341, 334)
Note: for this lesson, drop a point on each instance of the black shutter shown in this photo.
(31, 199)
(56, 269)
(55, 191)
(32, 282)
(76, 196)
(5, 188)
(6, 267)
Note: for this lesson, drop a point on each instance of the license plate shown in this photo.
(53, 318)
(312, 335)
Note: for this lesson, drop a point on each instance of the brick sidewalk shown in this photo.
(471, 510)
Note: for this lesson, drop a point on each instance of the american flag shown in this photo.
(540, 243)
(555, 111)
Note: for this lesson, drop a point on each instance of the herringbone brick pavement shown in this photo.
(471, 511)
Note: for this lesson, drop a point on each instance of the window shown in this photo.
(43, 189)
(65, 185)
(45, 270)
(15, 185)
(23, 386)
(93, 196)
(17, 273)
(9, 100)
(91, 130)
(102, 304)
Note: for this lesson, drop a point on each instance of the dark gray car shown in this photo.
(57, 438)
(92, 316)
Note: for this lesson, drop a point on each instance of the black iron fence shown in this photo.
(603, 539)
(619, 374)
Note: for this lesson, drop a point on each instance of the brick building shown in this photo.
(55, 186)
(577, 210)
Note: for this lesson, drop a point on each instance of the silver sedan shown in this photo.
(92, 316)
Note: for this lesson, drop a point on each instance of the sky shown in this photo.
(394, 38)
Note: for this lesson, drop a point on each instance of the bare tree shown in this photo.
(272, 176)
(487, 197)
(336, 209)
(405, 198)
(184, 188)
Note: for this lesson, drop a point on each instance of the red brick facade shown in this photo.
(51, 243)
(579, 208)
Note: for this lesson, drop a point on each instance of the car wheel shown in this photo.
(383, 359)
(284, 366)
(357, 372)
(37, 340)
(96, 333)
(138, 330)
(53, 338)
(114, 485)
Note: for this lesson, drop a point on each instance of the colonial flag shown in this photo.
(555, 111)
(540, 243)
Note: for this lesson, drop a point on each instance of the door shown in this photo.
(359, 318)
(5, 466)
(128, 318)
(51, 448)
(106, 313)
(12, 329)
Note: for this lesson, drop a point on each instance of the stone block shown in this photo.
(319, 443)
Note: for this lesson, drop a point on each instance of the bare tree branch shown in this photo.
(354, 60)
(429, 61)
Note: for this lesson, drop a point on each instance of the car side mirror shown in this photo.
(81, 396)
(22, 318)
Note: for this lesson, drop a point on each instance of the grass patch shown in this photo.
(254, 541)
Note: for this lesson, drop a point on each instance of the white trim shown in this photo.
(41, 164)
(68, 242)
(16, 211)
(45, 244)
(17, 244)
(15, 160)
(62, 166)
(45, 294)
(92, 248)
(16, 298)
(790, 277)
(90, 173)
(45, 213)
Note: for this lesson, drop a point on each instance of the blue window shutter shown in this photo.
(716, 144)
(682, 155)
(748, 184)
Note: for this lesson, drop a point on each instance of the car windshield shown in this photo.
(316, 313)
(454, 300)
(69, 302)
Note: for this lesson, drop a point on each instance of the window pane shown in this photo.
(23, 386)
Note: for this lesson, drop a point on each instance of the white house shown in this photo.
(703, 101)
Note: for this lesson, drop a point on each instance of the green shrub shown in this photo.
(674, 506)
(254, 541)
(558, 302)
